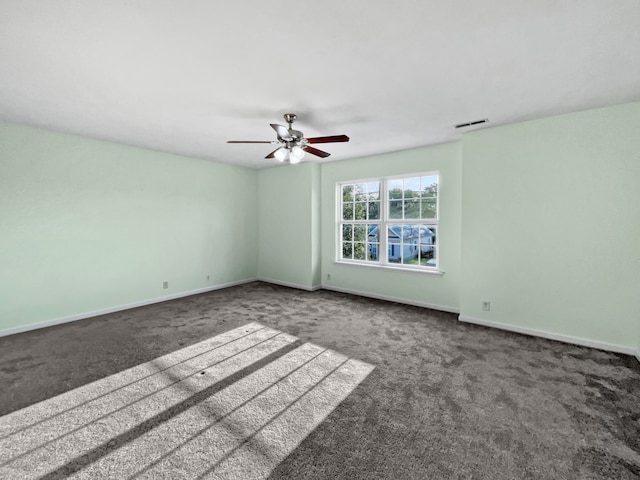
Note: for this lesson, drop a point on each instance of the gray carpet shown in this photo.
(183, 415)
(445, 399)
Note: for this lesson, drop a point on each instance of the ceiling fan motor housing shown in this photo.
(297, 134)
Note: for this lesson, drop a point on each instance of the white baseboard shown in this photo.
(104, 311)
(583, 342)
(392, 299)
(289, 284)
(487, 323)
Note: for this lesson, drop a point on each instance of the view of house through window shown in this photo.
(390, 221)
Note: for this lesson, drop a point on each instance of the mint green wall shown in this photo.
(288, 205)
(539, 218)
(87, 225)
(551, 225)
(412, 287)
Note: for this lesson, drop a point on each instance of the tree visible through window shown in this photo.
(390, 221)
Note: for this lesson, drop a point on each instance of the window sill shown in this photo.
(421, 271)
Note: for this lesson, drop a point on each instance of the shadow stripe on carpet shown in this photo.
(247, 410)
(43, 448)
(129, 436)
(48, 409)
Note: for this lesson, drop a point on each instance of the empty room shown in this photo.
(337, 240)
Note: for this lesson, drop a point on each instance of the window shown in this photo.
(391, 222)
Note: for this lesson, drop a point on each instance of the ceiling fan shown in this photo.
(292, 144)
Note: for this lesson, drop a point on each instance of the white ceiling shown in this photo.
(186, 76)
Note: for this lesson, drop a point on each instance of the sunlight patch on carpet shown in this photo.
(118, 427)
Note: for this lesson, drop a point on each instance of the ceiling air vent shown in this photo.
(470, 124)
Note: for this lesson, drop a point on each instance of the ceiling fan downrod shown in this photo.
(290, 118)
(296, 137)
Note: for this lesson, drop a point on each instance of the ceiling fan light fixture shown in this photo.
(282, 154)
(296, 154)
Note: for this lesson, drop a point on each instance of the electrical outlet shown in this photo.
(328, 276)
(208, 277)
(165, 284)
(486, 306)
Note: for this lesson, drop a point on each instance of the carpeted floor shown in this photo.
(444, 400)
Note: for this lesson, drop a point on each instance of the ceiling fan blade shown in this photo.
(247, 141)
(329, 139)
(272, 154)
(315, 151)
(281, 131)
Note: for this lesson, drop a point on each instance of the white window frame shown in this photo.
(385, 222)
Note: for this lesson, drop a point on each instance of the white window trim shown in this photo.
(383, 262)
(392, 267)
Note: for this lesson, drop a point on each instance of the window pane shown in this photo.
(360, 233)
(373, 232)
(410, 247)
(360, 192)
(347, 232)
(427, 244)
(428, 259)
(410, 233)
(429, 186)
(411, 184)
(395, 183)
(347, 211)
(394, 255)
(359, 251)
(395, 194)
(394, 236)
(412, 208)
(360, 211)
(347, 193)
(395, 188)
(433, 232)
(374, 211)
(410, 253)
(395, 209)
(372, 251)
(428, 208)
(347, 250)
(374, 190)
